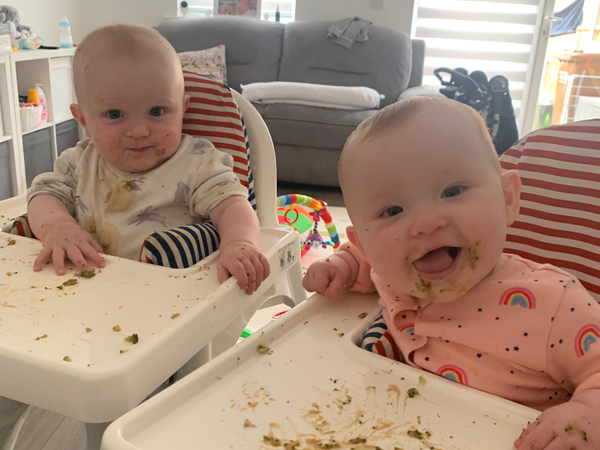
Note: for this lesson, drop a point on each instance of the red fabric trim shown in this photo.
(566, 265)
(380, 348)
(557, 187)
(395, 349)
(559, 203)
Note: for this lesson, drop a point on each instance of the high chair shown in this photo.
(304, 382)
(69, 348)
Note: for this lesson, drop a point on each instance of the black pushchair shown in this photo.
(490, 98)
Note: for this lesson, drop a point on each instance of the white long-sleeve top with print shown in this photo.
(121, 209)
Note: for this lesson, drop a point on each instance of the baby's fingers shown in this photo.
(44, 256)
(58, 259)
(335, 287)
(537, 438)
(90, 254)
(259, 271)
(266, 266)
(96, 246)
(75, 255)
(250, 277)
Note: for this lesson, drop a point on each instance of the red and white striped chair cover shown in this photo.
(559, 220)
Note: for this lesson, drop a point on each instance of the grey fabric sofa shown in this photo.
(308, 140)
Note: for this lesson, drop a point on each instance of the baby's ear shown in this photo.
(511, 186)
(186, 102)
(79, 117)
(355, 241)
(77, 113)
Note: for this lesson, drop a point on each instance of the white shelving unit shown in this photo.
(34, 151)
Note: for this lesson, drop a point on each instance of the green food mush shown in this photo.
(264, 350)
(134, 339)
(412, 392)
(88, 273)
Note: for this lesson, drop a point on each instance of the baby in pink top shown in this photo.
(430, 208)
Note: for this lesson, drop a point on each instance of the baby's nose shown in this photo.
(138, 131)
(427, 221)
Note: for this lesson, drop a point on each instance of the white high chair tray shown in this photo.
(63, 348)
(316, 387)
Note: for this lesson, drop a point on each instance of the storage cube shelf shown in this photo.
(23, 155)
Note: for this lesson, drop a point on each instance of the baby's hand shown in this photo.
(67, 239)
(246, 263)
(328, 276)
(563, 427)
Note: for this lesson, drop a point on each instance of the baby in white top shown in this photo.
(137, 174)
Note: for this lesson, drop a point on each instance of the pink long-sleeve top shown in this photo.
(529, 333)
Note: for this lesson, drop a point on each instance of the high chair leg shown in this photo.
(94, 432)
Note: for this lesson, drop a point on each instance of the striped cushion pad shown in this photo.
(378, 340)
(181, 247)
(20, 227)
(559, 221)
(214, 115)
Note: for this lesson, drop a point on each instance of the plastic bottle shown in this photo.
(66, 41)
(36, 95)
(277, 14)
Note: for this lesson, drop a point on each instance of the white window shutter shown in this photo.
(494, 36)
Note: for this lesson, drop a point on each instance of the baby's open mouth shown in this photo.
(438, 261)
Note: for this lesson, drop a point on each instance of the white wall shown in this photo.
(85, 15)
(396, 14)
(96, 13)
(43, 17)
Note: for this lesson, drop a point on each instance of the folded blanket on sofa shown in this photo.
(339, 97)
(347, 31)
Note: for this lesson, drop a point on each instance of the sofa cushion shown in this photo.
(311, 126)
(253, 46)
(307, 165)
(382, 63)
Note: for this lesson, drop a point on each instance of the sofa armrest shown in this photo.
(417, 63)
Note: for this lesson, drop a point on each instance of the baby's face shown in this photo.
(428, 206)
(133, 111)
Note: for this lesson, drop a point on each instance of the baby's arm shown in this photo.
(575, 424)
(240, 254)
(51, 222)
(344, 269)
(573, 362)
(50, 210)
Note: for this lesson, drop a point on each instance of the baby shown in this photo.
(137, 174)
(430, 208)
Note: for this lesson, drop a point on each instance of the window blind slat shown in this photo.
(513, 2)
(476, 16)
(522, 58)
(511, 76)
(431, 32)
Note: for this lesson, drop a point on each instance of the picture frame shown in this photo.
(246, 8)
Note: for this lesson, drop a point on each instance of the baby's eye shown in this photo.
(392, 211)
(114, 114)
(452, 191)
(157, 111)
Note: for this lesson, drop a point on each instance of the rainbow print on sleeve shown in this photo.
(588, 334)
(408, 328)
(454, 373)
(518, 296)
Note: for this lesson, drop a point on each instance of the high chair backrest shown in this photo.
(559, 220)
(264, 170)
(233, 125)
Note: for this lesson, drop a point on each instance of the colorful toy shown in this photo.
(291, 210)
